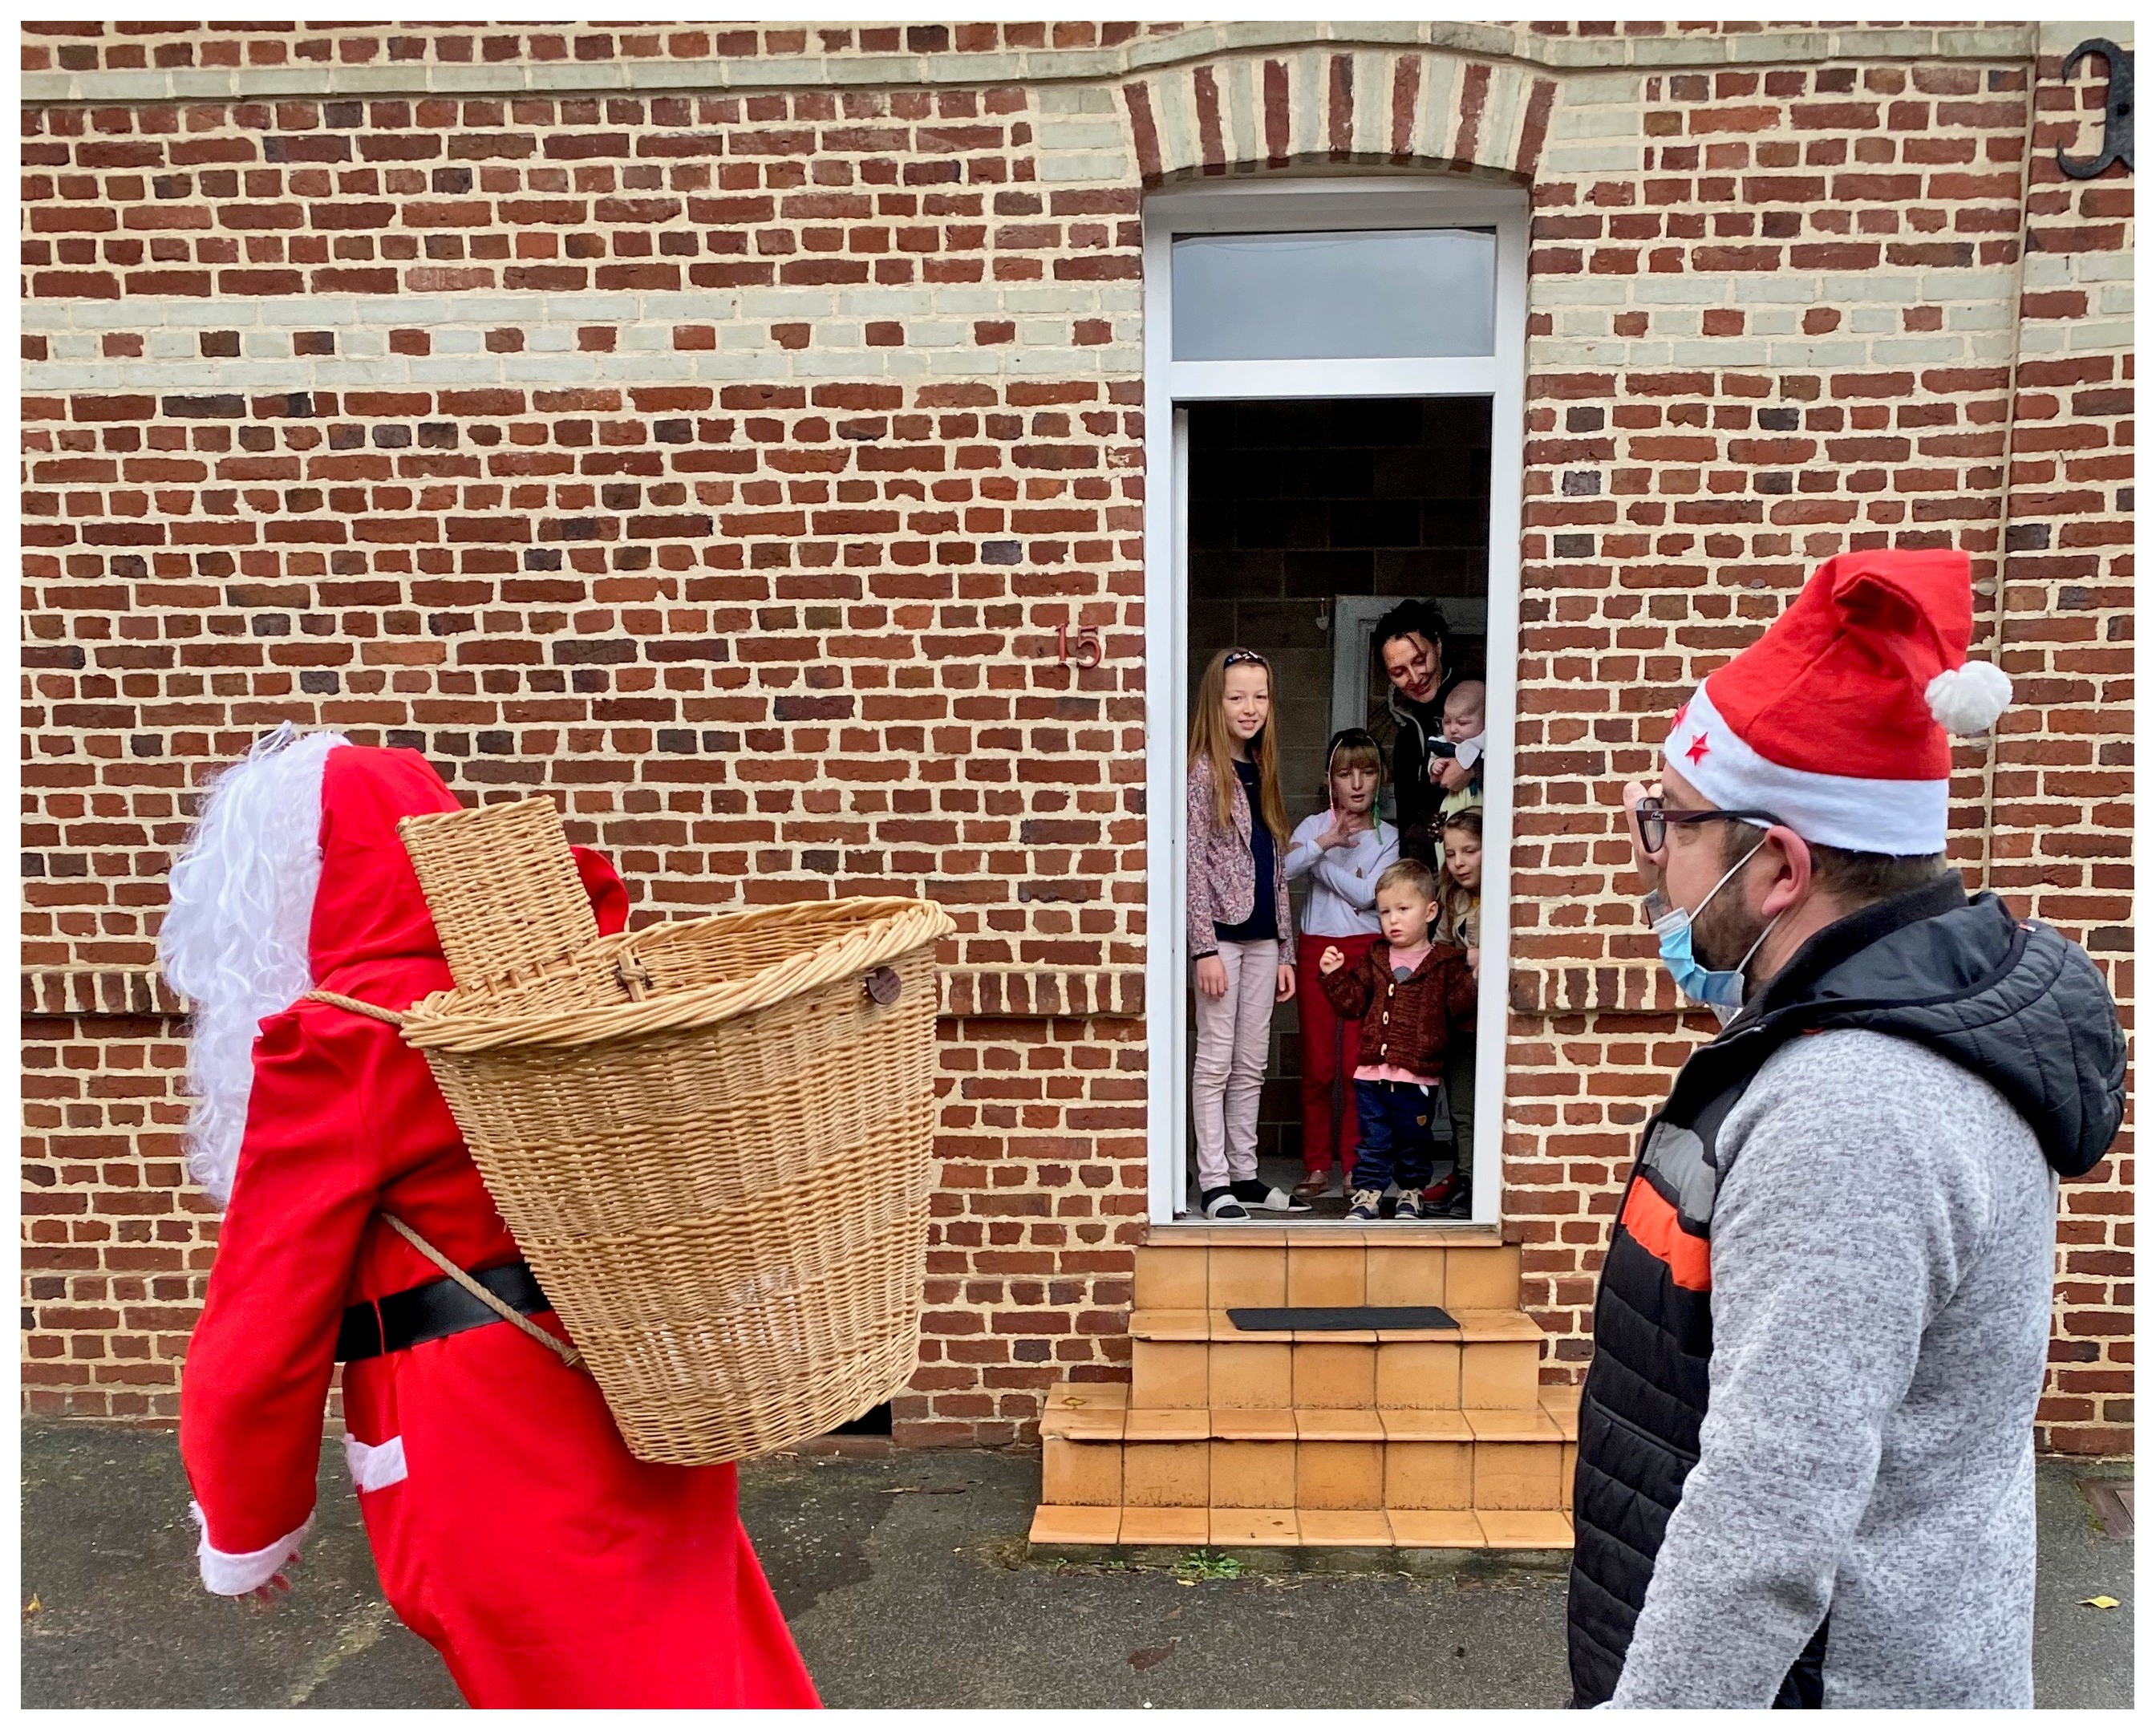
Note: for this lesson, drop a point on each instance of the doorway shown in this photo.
(1336, 447)
(1309, 520)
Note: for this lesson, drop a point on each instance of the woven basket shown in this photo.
(712, 1139)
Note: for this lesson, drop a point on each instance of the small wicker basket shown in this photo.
(711, 1137)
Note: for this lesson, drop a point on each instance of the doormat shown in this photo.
(1340, 1318)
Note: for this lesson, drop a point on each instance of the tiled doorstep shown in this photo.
(1087, 1416)
(1435, 1529)
(1213, 1325)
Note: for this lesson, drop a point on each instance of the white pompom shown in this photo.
(1970, 698)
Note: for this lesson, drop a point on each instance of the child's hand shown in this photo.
(1331, 961)
(1475, 960)
(1212, 975)
(1283, 982)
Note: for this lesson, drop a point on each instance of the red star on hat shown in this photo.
(1697, 748)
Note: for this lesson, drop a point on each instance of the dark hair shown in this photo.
(1414, 615)
(1853, 878)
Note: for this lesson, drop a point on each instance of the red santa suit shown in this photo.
(511, 1527)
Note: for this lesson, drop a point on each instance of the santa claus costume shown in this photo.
(511, 1527)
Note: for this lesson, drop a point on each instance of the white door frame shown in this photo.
(1273, 207)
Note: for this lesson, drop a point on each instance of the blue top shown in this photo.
(1262, 924)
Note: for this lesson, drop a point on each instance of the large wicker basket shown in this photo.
(711, 1137)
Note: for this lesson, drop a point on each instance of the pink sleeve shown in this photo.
(1197, 828)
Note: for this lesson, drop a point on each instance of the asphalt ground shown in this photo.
(906, 1579)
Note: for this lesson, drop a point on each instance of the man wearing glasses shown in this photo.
(1806, 1470)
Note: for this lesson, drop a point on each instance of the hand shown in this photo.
(1283, 983)
(1212, 976)
(1452, 774)
(1331, 961)
(1475, 960)
(1339, 834)
(265, 1597)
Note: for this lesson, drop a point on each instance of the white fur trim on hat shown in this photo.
(1849, 811)
(1970, 698)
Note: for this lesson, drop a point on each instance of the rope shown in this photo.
(569, 1355)
(395, 1018)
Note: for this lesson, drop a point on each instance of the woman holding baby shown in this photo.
(1438, 752)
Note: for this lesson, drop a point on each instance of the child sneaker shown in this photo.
(1409, 1206)
(1364, 1209)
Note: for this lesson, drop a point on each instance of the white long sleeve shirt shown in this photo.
(1343, 880)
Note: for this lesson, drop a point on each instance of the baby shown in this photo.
(1462, 777)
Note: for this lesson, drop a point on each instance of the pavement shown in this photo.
(906, 1579)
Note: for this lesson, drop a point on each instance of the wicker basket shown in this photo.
(712, 1139)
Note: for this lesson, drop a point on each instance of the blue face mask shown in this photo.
(1721, 990)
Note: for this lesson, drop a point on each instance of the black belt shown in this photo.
(440, 1307)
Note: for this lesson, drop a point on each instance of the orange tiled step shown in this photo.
(1397, 1528)
(1368, 1266)
(1198, 1359)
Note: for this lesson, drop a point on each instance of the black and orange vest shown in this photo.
(1646, 1390)
(2008, 999)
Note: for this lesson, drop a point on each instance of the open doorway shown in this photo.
(1334, 377)
(1308, 521)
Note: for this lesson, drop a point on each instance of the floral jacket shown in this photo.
(1222, 880)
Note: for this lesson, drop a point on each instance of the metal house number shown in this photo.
(2117, 109)
(1087, 651)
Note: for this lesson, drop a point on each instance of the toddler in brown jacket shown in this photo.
(1411, 997)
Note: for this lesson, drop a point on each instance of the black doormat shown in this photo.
(1341, 1318)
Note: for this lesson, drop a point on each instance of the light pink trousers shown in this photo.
(1228, 1068)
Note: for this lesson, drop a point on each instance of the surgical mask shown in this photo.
(1721, 990)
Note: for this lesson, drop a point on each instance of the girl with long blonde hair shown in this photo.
(1241, 932)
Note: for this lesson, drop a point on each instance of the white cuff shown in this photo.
(1470, 750)
(233, 1573)
(375, 1465)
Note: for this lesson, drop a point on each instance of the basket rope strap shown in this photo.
(359, 1007)
(568, 1354)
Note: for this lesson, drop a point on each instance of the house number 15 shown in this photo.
(1086, 652)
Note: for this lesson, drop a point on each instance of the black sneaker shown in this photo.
(1438, 1199)
(1461, 1203)
(1256, 1193)
(1409, 1207)
(1362, 1210)
(1221, 1204)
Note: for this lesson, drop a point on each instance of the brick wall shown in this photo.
(711, 426)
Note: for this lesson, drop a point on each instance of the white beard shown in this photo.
(234, 941)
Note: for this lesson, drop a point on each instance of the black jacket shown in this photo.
(1415, 798)
(2008, 1000)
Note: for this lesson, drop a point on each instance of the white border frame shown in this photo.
(1282, 205)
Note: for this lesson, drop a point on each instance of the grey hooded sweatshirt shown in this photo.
(1882, 1266)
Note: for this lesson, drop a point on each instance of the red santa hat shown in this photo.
(1837, 720)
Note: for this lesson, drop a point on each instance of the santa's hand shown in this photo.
(265, 1597)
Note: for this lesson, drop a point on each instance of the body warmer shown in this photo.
(1806, 1457)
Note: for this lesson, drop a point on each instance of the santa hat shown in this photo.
(1837, 720)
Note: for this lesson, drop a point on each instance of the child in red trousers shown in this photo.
(1343, 850)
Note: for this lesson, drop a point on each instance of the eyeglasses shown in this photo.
(1655, 819)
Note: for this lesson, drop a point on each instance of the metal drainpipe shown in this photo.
(1995, 638)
